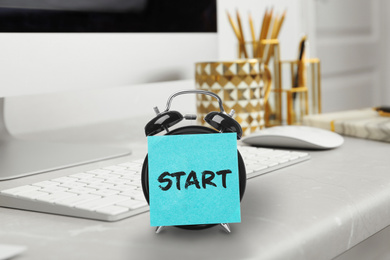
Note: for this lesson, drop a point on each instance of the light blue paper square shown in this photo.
(193, 205)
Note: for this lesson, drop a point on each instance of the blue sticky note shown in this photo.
(193, 179)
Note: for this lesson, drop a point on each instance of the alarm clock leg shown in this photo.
(159, 228)
(225, 227)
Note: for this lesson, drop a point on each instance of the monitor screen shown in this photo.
(108, 16)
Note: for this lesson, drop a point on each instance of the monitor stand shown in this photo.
(19, 158)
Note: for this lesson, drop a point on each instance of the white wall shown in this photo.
(35, 63)
(351, 43)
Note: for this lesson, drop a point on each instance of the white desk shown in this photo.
(317, 209)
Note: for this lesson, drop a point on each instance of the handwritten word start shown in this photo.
(207, 179)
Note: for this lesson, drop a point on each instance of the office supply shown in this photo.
(267, 19)
(234, 27)
(114, 192)
(269, 30)
(299, 82)
(289, 104)
(266, 47)
(277, 25)
(61, 62)
(299, 77)
(242, 38)
(301, 137)
(253, 34)
(10, 251)
(364, 123)
(280, 24)
(243, 85)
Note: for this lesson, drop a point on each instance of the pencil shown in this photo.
(242, 34)
(253, 35)
(234, 26)
(275, 27)
(280, 23)
(259, 46)
(268, 23)
(274, 33)
(264, 32)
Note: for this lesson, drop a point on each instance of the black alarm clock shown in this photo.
(221, 122)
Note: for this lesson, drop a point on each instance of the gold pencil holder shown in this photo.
(242, 85)
(268, 51)
(300, 95)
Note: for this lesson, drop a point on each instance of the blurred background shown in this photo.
(350, 37)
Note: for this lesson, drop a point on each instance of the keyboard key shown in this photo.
(99, 171)
(64, 179)
(105, 192)
(117, 181)
(55, 196)
(268, 163)
(131, 193)
(132, 204)
(74, 184)
(53, 189)
(123, 187)
(45, 184)
(100, 185)
(90, 180)
(139, 197)
(82, 175)
(258, 167)
(106, 176)
(115, 168)
(102, 202)
(78, 199)
(81, 190)
(123, 172)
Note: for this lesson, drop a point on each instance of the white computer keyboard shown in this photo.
(113, 193)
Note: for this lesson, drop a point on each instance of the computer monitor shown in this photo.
(36, 60)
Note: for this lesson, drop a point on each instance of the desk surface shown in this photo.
(317, 209)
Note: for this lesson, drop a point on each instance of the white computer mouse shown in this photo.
(291, 136)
